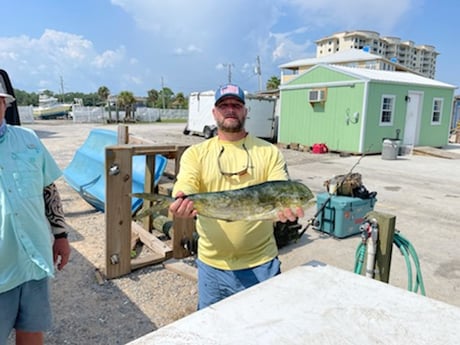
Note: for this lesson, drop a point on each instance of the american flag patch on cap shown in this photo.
(229, 89)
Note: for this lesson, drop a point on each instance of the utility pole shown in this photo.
(229, 65)
(62, 88)
(162, 98)
(259, 72)
(162, 93)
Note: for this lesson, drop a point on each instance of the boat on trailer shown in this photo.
(50, 108)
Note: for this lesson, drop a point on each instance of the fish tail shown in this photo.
(159, 203)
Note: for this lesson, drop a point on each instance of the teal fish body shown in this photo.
(257, 202)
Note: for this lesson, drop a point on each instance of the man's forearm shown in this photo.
(53, 209)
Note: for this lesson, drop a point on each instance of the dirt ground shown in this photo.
(119, 310)
(123, 309)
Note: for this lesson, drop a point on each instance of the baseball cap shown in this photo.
(229, 90)
(9, 99)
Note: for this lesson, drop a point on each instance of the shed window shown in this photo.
(387, 110)
(437, 111)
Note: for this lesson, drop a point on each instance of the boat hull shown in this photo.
(52, 112)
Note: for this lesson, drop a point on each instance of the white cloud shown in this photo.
(190, 43)
(204, 24)
(63, 46)
(132, 79)
(191, 49)
(239, 31)
(109, 58)
(285, 46)
(353, 14)
(38, 63)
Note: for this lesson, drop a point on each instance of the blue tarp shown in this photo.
(86, 171)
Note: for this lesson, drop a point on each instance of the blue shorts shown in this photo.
(215, 284)
(26, 308)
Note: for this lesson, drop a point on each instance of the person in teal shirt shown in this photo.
(30, 214)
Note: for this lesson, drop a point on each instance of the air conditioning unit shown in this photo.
(316, 95)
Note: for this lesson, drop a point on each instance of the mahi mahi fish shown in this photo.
(262, 201)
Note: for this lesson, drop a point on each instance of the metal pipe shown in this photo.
(372, 249)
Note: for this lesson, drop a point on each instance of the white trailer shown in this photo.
(260, 122)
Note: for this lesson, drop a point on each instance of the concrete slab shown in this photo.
(316, 304)
(423, 193)
(435, 152)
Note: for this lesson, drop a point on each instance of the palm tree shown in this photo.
(179, 102)
(127, 100)
(164, 98)
(273, 83)
(152, 97)
(103, 92)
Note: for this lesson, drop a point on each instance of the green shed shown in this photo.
(354, 109)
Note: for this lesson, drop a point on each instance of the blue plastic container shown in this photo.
(342, 215)
(86, 171)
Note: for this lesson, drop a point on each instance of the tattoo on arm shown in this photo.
(53, 207)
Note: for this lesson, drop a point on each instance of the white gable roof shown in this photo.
(389, 76)
(339, 57)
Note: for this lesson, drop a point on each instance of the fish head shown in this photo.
(300, 195)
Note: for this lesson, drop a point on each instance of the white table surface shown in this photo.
(317, 304)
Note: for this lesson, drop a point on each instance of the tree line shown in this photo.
(164, 98)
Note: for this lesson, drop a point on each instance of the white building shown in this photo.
(418, 58)
(351, 58)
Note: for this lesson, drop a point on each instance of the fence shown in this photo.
(81, 114)
(142, 114)
(26, 114)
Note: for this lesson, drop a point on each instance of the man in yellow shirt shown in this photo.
(232, 256)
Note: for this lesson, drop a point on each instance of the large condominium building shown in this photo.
(418, 58)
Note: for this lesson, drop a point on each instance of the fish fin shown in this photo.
(160, 202)
(147, 196)
(151, 211)
(310, 203)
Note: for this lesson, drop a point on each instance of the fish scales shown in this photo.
(233, 205)
(257, 202)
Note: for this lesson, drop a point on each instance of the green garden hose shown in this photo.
(359, 257)
(408, 252)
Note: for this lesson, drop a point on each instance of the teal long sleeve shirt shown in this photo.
(26, 167)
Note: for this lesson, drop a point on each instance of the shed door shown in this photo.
(413, 113)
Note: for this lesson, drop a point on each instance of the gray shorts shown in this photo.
(26, 308)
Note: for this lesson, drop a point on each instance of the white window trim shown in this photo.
(392, 110)
(441, 100)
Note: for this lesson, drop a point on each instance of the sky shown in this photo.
(188, 46)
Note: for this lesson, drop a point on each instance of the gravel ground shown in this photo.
(422, 191)
(123, 309)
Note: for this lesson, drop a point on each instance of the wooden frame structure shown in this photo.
(118, 217)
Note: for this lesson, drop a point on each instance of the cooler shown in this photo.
(342, 215)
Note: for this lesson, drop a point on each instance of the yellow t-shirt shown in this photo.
(239, 244)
